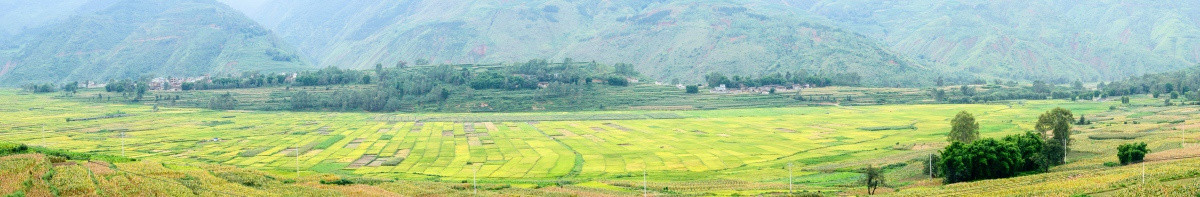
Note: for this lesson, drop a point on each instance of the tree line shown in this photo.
(784, 79)
(1183, 84)
(402, 88)
(1000, 90)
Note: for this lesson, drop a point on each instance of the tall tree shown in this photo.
(1058, 122)
(964, 128)
(873, 179)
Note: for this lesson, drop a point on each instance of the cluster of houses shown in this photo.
(174, 84)
(722, 89)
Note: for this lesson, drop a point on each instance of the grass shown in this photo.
(730, 151)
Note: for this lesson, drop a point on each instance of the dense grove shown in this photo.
(968, 159)
(404, 87)
(785, 79)
(1173, 85)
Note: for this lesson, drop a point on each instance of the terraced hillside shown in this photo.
(718, 152)
(130, 39)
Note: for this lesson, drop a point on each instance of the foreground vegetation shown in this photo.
(716, 152)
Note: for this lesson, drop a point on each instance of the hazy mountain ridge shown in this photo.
(138, 38)
(667, 40)
(1033, 40)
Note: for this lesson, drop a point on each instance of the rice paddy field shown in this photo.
(757, 151)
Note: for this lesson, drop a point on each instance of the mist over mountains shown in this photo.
(889, 43)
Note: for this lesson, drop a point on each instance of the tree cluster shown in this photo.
(1184, 83)
(1132, 153)
(785, 79)
(968, 159)
(1011, 91)
(40, 88)
(408, 88)
(1058, 122)
(990, 158)
(245, 80)
(331, 76)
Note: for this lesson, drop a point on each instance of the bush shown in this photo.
(1132, 153)
(10, 148)
(693, 89)
(337, 182)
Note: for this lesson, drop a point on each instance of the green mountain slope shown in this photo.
(1050, 40)
(135, 38)
(668, 40)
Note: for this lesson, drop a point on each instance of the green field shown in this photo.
(714, 152)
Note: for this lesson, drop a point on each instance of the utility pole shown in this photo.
(645, 191)
(296, 152)
(475, 180)
(122, 143)
(790, 181)
(930, 166)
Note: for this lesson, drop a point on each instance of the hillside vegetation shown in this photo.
(669, 40)
(130, 39)
(1053, 41)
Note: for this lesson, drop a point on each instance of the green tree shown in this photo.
(72, 87)
(141, 90)
(1132, 153)
(1058, 122)
(693, 89)
(873, 179)
(964, 128)
(1030, 145)
(1125, 100)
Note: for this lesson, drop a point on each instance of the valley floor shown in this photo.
(705, 152)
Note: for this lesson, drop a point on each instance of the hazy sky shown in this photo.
(244, 5)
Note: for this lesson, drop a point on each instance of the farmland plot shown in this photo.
(740, 148)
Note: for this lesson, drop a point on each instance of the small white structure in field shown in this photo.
(720, 89)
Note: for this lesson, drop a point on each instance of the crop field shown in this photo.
(713, 152)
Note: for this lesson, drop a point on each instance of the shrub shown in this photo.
(693, 89)
(337, 182)
(1132, 153)
(10, 148)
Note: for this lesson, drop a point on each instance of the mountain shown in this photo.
(668, 40)
(1052, 40)
(109, 39)
(21, 15)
